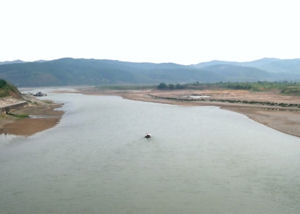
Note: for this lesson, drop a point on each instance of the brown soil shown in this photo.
(29, 126)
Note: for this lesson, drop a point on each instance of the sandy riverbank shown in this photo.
(274, 115)
(42, 115)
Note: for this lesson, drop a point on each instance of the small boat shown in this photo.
(39, 94)
(148, 136)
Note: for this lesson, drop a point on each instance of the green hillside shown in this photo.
(69, 71)
(7, 89)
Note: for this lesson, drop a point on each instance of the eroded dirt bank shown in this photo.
(31, 118)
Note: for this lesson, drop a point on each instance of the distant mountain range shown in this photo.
(69, 71)
(272, 65)
(11, 62)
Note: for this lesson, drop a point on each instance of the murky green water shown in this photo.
(200, 160)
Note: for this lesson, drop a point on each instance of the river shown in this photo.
(200, 160)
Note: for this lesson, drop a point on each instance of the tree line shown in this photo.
(283, 87)
(164, 86)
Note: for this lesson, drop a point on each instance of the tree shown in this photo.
(162, 86)
(178, 86)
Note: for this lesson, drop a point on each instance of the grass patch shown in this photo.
(7, 89)
(48, 101)
(19, 116)
(292, 90)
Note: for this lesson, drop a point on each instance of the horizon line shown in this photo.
(169, 62)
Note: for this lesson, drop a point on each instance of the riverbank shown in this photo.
(37, 115)
(280, 112)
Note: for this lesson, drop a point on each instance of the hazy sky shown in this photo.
(186, 31)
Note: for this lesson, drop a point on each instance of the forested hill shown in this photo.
(69, 71)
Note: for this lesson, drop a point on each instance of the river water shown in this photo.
(200, 160)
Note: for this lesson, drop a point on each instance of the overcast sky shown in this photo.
(186, 31)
